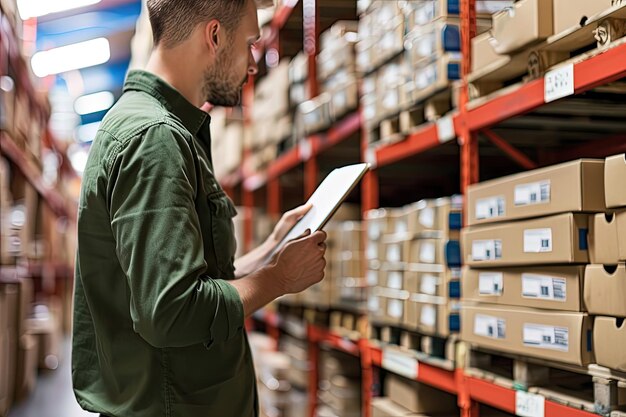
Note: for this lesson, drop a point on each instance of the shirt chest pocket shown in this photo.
(222, 232)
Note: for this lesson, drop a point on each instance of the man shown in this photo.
(159, 315)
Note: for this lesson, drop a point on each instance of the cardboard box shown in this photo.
(384, 407)
(525, 23)
(560, 239)
(441, 215)
(313, 115)
(614, 174)
(603, 239)
(605, 287)
(432, 40)
(8, 311)
(27, 359)
(386, 305)
(569, 14)
(435, 75)
(432, 251)
(483, 52)
(559, 336)
(571, 187)
(621, 235)
(378, 223)
(549, 288)
(435, 280)
(417, 397)
(609, 339)
(431, 315)
(344, 100)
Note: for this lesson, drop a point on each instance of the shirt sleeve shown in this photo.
(173, 303)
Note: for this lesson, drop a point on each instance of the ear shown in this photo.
(213, 35)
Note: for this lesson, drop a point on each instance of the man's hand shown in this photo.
(300, 263)
(286, 223)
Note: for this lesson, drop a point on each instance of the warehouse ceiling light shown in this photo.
(71, 57)
(37, 8)
(93, 103)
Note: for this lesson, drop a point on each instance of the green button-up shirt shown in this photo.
(158, 330)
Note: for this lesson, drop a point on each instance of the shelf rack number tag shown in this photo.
(559, 83)
(529, 405)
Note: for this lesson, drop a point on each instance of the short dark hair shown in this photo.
(173, 20)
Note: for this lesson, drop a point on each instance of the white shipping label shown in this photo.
(373, 305)
(488, 208)
(372, 250)
(400, 363)
(490, 283)
(428, 284)
(401, 225)
(489, 326)
(486, 250)
(394, 280)
(537, 240)
(544, 287)
(394, 252)
(395, 308)
(427, 217)
(428, 316)
(546, 337)
(426, 45)
(529, 405)
(428, 252)
(559, 83)
(372, 278)
(535, 193)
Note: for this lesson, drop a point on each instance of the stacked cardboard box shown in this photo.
(272, 122)
(336, 67)
(408, 398)
(339, 384)
(227, 140)
(605, 279)
(526, 247)
(415, 266)
(298, 372)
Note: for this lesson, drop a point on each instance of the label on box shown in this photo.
(428, 316)
(426, 45)
(544, 287)
(373, 229)
(529, 405)
(372, 278)
(546, 337)
(394, 252)
(445, 128)
(401, 225)
(486, 250)
(394, 280)
(428, 252)
(488, 208)
(400, 363)
(427, 217)
(373, 304)
(428, 285)
(537, 240)
(489, 326)
(372, 250)
(559, 83)
(395, 308)
(490, 283)
(535, 193)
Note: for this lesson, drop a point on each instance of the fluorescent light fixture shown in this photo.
(92, 103)
(87, 133)
(71, 57)
(36, 8)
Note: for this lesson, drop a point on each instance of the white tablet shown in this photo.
(326, 200)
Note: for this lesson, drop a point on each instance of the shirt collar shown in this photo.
(192, 117)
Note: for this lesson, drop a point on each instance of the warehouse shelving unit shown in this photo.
(463, 130)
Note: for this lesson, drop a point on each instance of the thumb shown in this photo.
(299, 212)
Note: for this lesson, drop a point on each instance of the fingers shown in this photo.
(299, 212)
(319, 237)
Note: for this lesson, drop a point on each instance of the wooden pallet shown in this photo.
(600, 32)
(574, 386)
(434, 350)
(398, 126)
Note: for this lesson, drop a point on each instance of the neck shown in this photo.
(174, 68)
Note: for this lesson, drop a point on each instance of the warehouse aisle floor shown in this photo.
(53, 396)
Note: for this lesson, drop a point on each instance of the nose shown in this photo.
(253, 68)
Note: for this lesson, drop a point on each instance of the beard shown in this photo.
(221, 87)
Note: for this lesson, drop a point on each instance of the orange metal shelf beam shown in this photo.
(424, 139)
(598, 70)
(504, 399)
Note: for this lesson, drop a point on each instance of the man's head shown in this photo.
(224, 30)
